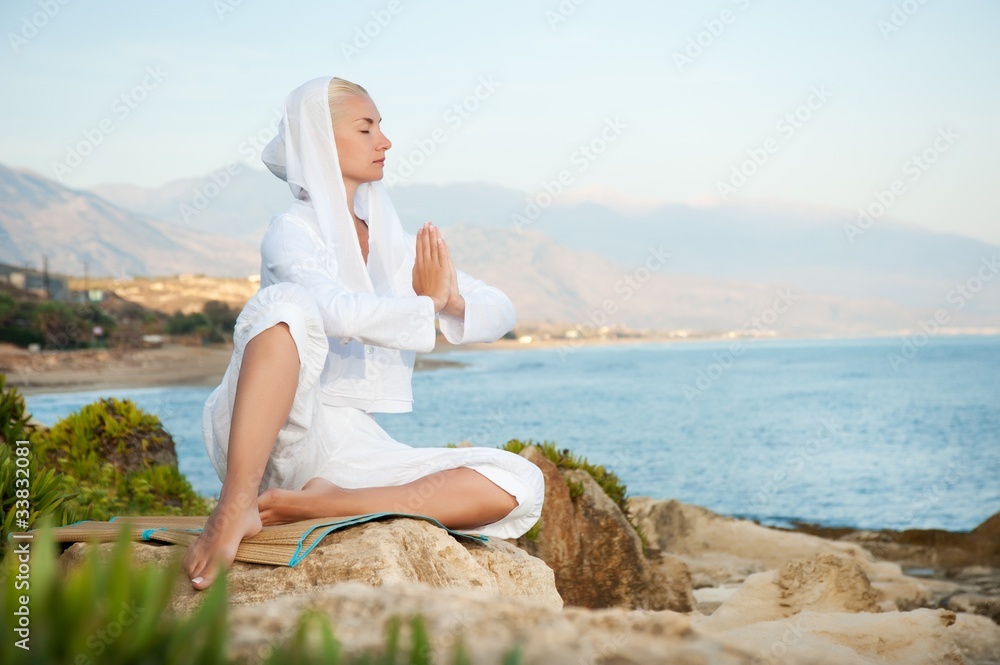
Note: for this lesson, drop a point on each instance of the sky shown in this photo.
(886, 106)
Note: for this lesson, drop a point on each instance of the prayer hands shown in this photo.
(433, 271)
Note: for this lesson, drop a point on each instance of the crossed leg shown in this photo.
(459, 498)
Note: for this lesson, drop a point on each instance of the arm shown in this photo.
(292, 253)
(478, 313)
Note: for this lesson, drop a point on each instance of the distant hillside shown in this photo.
(800, 245)
(241, 208)
(551, 282)
(572, 265)
(39, 217)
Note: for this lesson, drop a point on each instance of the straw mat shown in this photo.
(278, 545)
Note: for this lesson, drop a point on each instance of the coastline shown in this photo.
(172, 365)
(175, 364)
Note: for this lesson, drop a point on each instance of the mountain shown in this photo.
(79, 231)
(816, 249)
(238, 206)
(550, 282)
(576, 262)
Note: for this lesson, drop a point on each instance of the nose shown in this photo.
(385, 143)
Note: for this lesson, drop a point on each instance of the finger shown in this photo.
(445, 254)
(422, 250)
(433, 242)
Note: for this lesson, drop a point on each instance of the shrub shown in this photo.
(26, 490)
(120, 461)
(60, 325)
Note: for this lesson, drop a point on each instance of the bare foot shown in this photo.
(215, 548)
(279, 506)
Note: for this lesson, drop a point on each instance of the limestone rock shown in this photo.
(692, 531)
(488, 627)
(825, 583)
(977, 637)
(720, 551)
(975, 603)
(838, 638)
(376, 554)
(596, 555)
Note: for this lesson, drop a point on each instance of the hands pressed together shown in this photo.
(434, 273)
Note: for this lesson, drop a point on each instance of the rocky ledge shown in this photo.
(586, 587)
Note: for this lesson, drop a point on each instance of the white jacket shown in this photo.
(373, 339)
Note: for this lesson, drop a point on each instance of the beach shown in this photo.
(172, 364)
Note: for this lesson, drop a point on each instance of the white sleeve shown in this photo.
(291, 253)
(489, 313)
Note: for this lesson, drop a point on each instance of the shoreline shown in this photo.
(177, 365)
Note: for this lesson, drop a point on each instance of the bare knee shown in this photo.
(490, 497)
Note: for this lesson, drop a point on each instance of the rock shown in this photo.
(921, 637)
(671, 576)
(901, 593)
(377, 554)
(977, 637)
(720, 551)
(974, 603)
(926, 547)
(596, 555)
(692, 531)
(487, 626)
(825, 583)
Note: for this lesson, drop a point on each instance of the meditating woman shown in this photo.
(347, 298)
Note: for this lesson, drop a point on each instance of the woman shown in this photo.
(347, 298)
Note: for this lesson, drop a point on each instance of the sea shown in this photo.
(864, 433)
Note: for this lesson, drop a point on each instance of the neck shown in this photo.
(351, 188)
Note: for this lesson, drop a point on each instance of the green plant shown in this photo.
(105, 611)
(15, 423)
(26, 490)
(119, 460)
(61, 325)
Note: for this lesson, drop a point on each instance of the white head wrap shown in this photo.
(304, 154)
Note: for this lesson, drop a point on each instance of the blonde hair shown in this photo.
(338, 92)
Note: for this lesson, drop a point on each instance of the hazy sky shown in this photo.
(835, 101)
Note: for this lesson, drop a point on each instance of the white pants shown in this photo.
(345, 445)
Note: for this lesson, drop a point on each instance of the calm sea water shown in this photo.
(827, 431)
